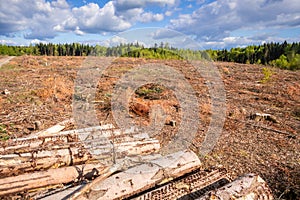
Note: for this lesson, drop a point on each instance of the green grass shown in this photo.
(3, 133)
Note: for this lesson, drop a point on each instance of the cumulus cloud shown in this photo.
(168, 13)
(165, 34)
(38, 16)
(149, 16)
(93, 19)
(215, 21)
(41, 19)
(8, 42)
(131, 4)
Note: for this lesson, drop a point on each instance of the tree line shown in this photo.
(284, 55)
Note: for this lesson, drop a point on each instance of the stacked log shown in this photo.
(117, 164)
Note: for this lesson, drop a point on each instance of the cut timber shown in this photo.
(55, 129)
(189, 186)
(40, 153)
(246, 187)
(143, 177)
(122, 164)
(35, 180)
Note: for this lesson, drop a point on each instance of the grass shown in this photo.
(150, 91)
(3, 133)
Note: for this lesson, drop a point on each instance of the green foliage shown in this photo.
(3, 133)
(284, 55)
(267, 72)
(281, 62)
(295, 62)
(150, 91)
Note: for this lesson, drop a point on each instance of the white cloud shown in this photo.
(93, 19)
(168, 13)
(38, 16)
(215, 21)
(41, 19)
(149, 16)
(78, 31)
(37, 41)
(165, 34)
(130, 4)
(114, 41)
(8, 42)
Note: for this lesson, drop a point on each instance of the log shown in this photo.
(54, 129)
(141, 177)
(10, 185)
(249, 186)
(189, 186)
(41, 181)
(64, 150)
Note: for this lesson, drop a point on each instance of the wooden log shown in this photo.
(64, 150)
(10, 185)
(249, 186)
(141, 177)
(45, 179)
(54, 129)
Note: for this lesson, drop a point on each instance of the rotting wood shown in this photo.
(249, 186)
(63, 150)
(142, 177)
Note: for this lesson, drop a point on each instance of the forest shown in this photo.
(283, 55)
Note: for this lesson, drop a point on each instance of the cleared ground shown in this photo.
(41, 88)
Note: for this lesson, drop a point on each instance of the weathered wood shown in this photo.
(54, 129)
(189, 186)
(35, 180)
(64, 150)
(249, 186)
(142, 177)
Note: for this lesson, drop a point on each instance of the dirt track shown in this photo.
(41, 89)
(5, 60)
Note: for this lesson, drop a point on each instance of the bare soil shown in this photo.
(41, 89)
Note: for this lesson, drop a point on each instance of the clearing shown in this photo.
(39, 89)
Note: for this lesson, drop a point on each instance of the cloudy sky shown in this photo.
(213, 24)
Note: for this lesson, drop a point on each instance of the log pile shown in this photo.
(106, 163)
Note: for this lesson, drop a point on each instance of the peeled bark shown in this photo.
(36, 180)
(249, 186)
(25, 155)
(142, 177)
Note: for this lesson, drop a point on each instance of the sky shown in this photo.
(188, 24)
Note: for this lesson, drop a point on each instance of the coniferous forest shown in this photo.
(283, 55)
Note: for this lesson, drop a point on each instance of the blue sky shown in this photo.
(211, 24)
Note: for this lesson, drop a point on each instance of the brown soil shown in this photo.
(41, 90)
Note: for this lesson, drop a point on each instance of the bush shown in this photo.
(267, 72)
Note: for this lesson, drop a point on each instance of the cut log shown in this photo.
(142, 177)
(39, 181)
(63, 150)
(189, 186)
(54, 129)
(35, 180)
(249, 186)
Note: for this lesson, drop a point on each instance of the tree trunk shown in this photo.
(141, 177)
(65, 149)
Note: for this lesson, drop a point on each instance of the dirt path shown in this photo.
(5, 60)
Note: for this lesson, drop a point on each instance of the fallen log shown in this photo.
(249, 186)
(54, 129)
(10, 185)
(141, 177)
(38, 181)
(65, 150)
